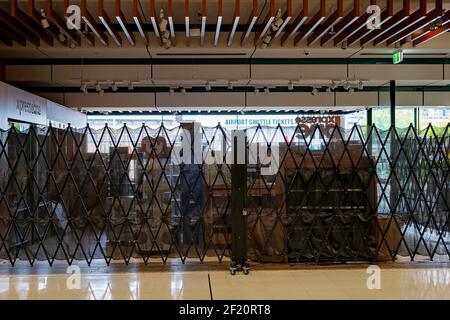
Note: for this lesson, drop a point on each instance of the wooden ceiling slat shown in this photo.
(29, 24)
(138, 21)
(315, 21)
(417, 16)
(267, 22)
(187, 21)
(218, 23)
(54, 18)
(124, 24)
(203, 24)
(250, 23)
(11, 23)
(287, 16)
(107, 23)
(425, 37)
(51, 30)
(92, 24)
(237, 16)
(328, 23)
(296, 24)
(430, 17)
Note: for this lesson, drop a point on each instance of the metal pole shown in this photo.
(239, 213)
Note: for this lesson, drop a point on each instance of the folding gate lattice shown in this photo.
(336, 195)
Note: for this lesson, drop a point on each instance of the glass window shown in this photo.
(438, 117)
(404, 117)
(381, 117)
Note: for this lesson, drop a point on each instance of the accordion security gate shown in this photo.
(319, 194)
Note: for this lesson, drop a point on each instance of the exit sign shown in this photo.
(397, 57)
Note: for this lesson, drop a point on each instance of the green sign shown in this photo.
(397, 57)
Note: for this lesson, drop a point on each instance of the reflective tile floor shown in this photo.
(309, 283)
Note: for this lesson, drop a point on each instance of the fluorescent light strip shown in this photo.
(86, 20)
(137, 21)
(124, 29)
(186, 23)
(263, 33)
(202, 31)
(294, 31)
(233, 31)
(286, 21)
(217, 35)
(111, 33)
(171, 27)
(249, 30)
(155, 26)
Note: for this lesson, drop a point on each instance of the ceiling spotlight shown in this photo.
(360, 85)
(290, 86)
(61, 37)
(183, 90)
(333, 85)
(256, 90)
(101, 92)
(344, 45)
(266, 90)
(130, 86)
(328, 90)
(98, 87)
(346, 85)
(208, 86)
(314, 91)
(44, 22)
(114, 87)
(351, 90)
(171, 91)
(83, 88)
(230, 85)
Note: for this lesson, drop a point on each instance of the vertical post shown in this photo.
(238, 214)
(368, 128)
(392, 100)
(416, 119)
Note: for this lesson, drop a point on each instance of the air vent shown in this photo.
(367, 54)
(238, 54)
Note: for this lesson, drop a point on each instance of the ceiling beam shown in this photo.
(359, 24)
(203, 23)
(51, 30)
(8, 33)
(124, 24)
(415, 26)
(29, 24)
(250, 23)
(386, 14)
(296, 24)
(92, 24)
(287, 16)
(312, 24)
(328, 23)
(389, 24)
(218, 22)
(418, 15)
(342, 25)
(107, 23)
(267, 22)
(11, 23)
(187, 22)
(425, 37)
(237, 16)
(138, 21)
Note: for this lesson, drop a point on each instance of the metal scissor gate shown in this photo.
(320, 194)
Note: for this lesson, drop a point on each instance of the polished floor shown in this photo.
(416, 282)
